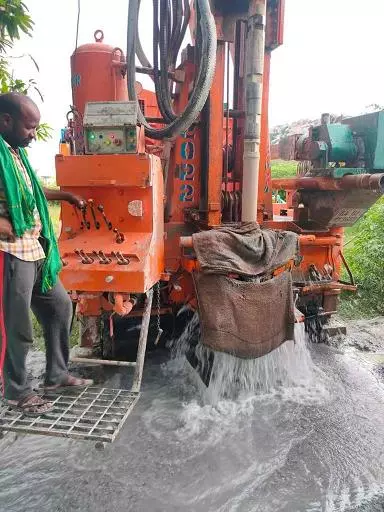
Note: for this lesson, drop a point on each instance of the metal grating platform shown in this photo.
(95, 414)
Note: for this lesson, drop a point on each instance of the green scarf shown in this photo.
(21, 205)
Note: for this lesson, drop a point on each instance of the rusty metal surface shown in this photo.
(94, 414)
(265, 210)
(374, 182)
(338, 208)
(214, 143)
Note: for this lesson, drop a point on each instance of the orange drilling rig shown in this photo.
(193, 156)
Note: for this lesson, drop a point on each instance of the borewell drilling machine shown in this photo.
(158, 166)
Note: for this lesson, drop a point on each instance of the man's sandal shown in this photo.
(70, 383)
(31, 405)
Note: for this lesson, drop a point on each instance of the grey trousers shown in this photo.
(20, 291)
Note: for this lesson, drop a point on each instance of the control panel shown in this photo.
(110, 127)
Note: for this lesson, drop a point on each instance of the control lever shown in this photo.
(96, 254)
(84, 258)
(87, 224)
(97, 223)
(78, 218)
(103, 260)
(119, 236)
(87, 259)
(107, 222)
(121, 260)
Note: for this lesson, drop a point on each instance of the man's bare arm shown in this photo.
(59, 195)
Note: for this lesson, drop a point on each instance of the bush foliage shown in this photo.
(364, 252)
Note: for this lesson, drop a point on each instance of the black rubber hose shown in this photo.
(179, 29)
(165, 62)
(204, 80)
(141, 55)
(169, 46)
(180, 39)
(165, 112)
(139, 49)
(169, 22)
(177, 9)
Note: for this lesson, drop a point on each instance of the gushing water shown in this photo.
(288, 366)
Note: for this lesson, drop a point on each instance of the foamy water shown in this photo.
(288, 370)
(304, 434)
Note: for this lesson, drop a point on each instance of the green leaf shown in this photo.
(44, 132)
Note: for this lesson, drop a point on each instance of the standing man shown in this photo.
(29, 265)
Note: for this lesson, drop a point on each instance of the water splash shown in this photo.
(288, 366)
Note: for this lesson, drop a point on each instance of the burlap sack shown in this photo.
(245, 319)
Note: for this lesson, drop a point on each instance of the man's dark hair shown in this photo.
(11, 103)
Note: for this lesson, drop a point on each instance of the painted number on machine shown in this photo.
(186, 169)
(186, 193)
(188, 151)
(187, 172)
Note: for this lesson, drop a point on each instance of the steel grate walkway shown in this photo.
(95, 414)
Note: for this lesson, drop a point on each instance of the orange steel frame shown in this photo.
(174, 209)
(114, 181)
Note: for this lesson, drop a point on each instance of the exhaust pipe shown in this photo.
(364, 181)
(374, 182)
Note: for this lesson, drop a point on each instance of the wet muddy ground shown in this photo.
(311, 445)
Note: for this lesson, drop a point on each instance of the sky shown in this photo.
(330, 61)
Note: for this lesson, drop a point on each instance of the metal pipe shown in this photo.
(142, 343)
(316, 241)
(364, 181)
(235, 114)
(105, 362)
(172, 75)
(226, 167)
(352, 279)
(254, 70)
(320, 288)
(373, 182)
(186, 242)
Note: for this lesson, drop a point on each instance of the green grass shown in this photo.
(364, 252)
(54, 211)
(283, 169)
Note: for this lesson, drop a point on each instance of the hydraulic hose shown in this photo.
(204, 79)
(165, 64)
(139, 50)
(183, 31)
(165, 112)
(169, 46)
(141, 55)
(169, 51)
